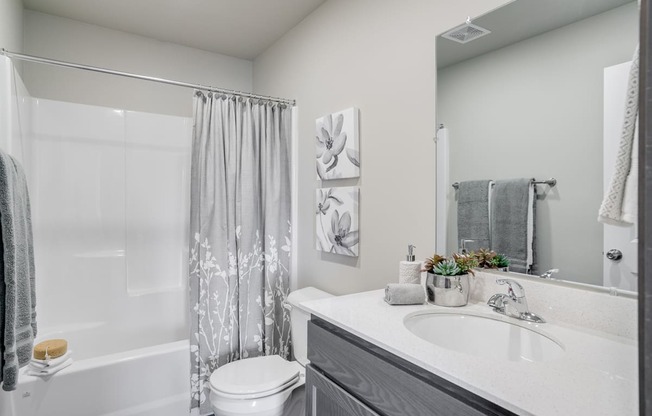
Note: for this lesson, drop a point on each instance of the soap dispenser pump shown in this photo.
(410, 255)
(410, 270)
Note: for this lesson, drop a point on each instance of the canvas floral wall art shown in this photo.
(337, 220)
(337, 142)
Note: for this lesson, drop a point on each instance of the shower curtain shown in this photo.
(240, 234)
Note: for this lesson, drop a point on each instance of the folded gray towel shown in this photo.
(473, 214)
(405, 294)
(511, 207)
(17, 296)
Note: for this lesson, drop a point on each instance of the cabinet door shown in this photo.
(325, 398)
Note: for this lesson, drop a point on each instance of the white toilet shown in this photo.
(260, 386)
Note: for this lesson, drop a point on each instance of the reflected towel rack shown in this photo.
(550, 182)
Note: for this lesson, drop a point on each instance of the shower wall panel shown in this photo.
(110, 201)
(158, 201)
(78, 209)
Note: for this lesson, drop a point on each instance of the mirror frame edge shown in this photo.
(645, 213)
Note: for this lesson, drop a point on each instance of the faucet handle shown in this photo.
(549, 273)
(514, 288)
(463, 242)
(497, 301)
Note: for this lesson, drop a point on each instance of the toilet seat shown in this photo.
(258, 395)
(254, 377)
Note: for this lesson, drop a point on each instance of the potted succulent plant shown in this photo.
(447, 283)
(489, 259)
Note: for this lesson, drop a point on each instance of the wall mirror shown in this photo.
(542, 96)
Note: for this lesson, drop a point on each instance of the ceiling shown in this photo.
(239, 28)
(520, 20)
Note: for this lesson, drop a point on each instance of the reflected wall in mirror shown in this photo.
(528, 101)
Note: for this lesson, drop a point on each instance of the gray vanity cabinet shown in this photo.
(348, 376)
(325, 398)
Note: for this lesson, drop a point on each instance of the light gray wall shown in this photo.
(534, 109)
(74, 41)
(11, 25)
(378, 56)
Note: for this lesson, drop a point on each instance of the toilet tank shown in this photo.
(299, 318)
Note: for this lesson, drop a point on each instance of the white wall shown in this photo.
(537, 109)
(11, 25)
(377, 56)
(74, 41)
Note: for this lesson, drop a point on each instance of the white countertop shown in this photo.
(597, 374)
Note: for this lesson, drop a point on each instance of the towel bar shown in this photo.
(550, 182)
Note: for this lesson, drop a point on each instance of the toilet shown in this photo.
(261, 386)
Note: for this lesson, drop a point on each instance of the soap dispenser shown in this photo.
(410, 270)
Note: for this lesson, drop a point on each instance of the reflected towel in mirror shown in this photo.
(618, 203)
(513, 223)
(473, 213)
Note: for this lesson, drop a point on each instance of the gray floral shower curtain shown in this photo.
(240, 234)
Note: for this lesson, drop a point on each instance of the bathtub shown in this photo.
(104, 381)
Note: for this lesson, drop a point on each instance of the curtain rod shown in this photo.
(38, 59)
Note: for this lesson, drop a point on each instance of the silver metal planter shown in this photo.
(448, 290)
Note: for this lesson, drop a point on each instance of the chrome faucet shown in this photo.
(549, 273)
(513, 303)
(463, 243)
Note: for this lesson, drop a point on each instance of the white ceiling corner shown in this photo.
(238, 28)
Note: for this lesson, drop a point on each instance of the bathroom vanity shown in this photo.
(346, 372)
(365, 360)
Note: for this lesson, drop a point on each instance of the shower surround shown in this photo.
(110, 211)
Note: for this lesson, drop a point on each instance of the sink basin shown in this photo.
(483, 336)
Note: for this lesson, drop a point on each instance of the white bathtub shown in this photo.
(139, 382)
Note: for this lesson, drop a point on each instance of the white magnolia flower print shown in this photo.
(336, 220)
(325, 201)
(337, 145)
(354, 157)
(341, 235)
(330, 141)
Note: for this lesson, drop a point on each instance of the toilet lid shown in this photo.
(254, 376)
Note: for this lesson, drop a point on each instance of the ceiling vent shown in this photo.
(466, 33)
